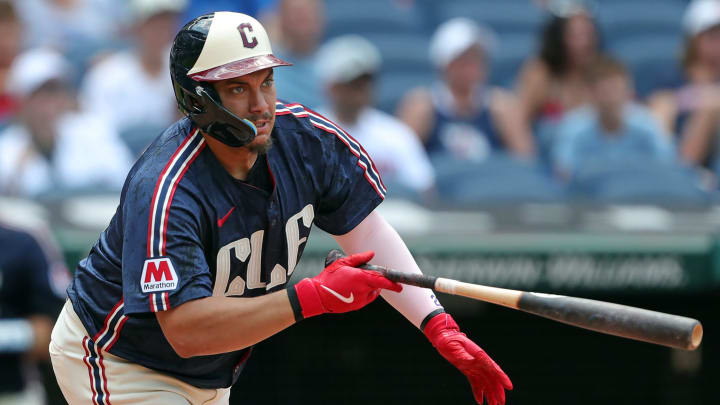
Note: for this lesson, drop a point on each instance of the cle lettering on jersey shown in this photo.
(158, 275)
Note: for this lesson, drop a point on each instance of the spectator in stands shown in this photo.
(611, 128)
(301, 25)
(10, 40)
(689, 106)
(460, 114)
(556, 80)
(77, 28)
(32, 292)
(50, 146)
(348, 66)
(131, 90)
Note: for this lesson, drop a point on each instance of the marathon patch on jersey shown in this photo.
(158, 275)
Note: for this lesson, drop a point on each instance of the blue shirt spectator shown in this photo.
(582, 139)
(611, 128)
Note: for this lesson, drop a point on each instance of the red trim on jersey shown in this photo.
(166, 301)
(153, 208)
(153, 308)
(86, 360)
(307, 112)
(359, 163)
(117, 334)
(172, 194)
(106, 394)
(355, 140)
(107, 321)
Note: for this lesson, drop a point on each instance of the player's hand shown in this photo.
(485, 376)
(342, 287)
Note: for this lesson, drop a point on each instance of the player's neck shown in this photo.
(236, 161)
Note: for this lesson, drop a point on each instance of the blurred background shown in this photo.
(556, 146)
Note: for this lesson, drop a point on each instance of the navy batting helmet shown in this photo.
(213, 47)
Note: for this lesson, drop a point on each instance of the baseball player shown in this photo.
(213, 218)
(32, 280)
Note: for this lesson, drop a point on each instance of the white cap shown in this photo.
(35, 67)
(455, 36)
(144, 9)
(701, 15)
(347, 57)
(236, 45)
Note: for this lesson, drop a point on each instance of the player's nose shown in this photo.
(258, 103)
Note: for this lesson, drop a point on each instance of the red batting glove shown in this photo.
(340, 287)
(486, 378)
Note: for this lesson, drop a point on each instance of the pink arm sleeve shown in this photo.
(374, 233)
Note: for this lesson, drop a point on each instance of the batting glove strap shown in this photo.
(295, 303)
(438, 324)
(305, 300)
(430, 316)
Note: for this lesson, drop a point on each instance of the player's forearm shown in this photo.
(374, 233)
(215, 325)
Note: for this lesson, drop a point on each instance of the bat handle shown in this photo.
(416, 279)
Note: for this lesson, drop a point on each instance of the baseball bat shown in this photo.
(605, 317)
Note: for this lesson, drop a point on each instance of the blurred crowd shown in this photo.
(458, 102)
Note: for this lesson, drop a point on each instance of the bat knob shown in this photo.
(332, 256)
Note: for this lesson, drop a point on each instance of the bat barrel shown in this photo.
(620, 320)
(605, 317)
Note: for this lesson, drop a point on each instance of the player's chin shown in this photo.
(261, 144)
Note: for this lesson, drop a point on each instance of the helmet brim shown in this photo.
(238, 68)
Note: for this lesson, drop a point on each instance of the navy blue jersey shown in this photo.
(29, 278)
(185, 229)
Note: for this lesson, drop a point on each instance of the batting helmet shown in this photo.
(213, 47)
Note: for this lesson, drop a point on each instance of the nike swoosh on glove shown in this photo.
(485, 376)
(340, 287)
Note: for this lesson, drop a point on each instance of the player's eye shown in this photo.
(268, 82)
(237, 90)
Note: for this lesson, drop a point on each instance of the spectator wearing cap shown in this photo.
(611, 129)
(51, 146)
(348, 66)
(555, 81)
(301, 25)
(460, 114)
(689, 104)
(10, 44)
(131, 89)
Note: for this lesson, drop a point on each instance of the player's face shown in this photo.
(252, 97)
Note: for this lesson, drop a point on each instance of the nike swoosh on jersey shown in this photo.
(348, 300)
(222, 220)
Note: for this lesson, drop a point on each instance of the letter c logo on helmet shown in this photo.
(214, 47)
(247, 44)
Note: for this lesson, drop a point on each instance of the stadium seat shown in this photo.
(511, 53)
(637, 181)
(498, 179)
(504, 17)
(392, 86)
(139, 137)
(370, 16)
(649, 58)
(403, 52)
(626, 19)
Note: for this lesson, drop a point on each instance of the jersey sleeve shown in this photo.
(163, 260)
(352, 186)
